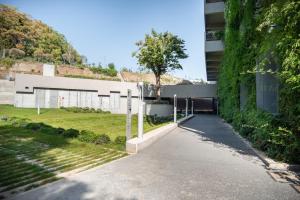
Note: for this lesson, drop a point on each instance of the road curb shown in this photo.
(135, 145)
(270, 163)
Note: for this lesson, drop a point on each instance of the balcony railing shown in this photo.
(214, 35)
(210, 36)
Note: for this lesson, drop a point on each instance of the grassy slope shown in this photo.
(110, 124)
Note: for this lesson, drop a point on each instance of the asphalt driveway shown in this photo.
(202, 159)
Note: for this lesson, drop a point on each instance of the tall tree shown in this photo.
(160, 53)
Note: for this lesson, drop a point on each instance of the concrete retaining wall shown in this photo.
(159, 109)
(135, 145)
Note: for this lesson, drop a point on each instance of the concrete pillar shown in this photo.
(192, 107)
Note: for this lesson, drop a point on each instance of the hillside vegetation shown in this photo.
(258, 33)
(23, 37)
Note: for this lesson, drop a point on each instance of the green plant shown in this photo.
(103, 139)
(71, 133)
(120, 140)
(220, 35)
(160, 52)
(34, 126)
(7, 62)
(60, 131)
(87, 136)
(254, 30)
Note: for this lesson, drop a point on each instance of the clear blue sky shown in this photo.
(106, 30)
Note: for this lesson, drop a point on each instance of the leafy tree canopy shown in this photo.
(160, 52)
(34, 38)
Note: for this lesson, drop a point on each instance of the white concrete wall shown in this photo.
(216, 7)
(159, 109)
(7, 90)
(68, 98)
(214, 46)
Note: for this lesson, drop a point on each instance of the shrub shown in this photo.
(16, 53)
(87, 136)
(84, 110)
(6, 62)
(60, 131)
(71, 133)
(34, 126)
(103, 139)
(120, 140)
(246, 130)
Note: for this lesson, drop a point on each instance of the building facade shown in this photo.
(214, 36)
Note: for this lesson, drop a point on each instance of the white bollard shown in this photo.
(175, 109)
(186, 107)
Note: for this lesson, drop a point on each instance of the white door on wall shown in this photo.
(114, 102)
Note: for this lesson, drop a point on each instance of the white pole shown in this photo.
(38, 103)
(141, 111)
(175, 109)
(186, 107)
(192, 107)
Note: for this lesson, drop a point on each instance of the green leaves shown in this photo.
(34, 38)
(160, 52)
(258, 35)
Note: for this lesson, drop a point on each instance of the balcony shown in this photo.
(214, 46)
(212, 7)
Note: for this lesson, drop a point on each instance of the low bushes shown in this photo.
(71, 133)
(269, 134)
(84, 110)
(87, 136)
(103, 139)
(83, 136)
(120, 140)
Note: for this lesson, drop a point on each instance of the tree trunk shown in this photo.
(157, 77)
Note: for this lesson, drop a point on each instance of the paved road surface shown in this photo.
(202, 159)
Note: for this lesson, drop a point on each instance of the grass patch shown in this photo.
(112, 125)
(36, 149)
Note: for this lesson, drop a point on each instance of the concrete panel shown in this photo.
(104, 103)
(214, 46)
(216, 7)
(7, 92)
(94, 100)
(243, 96)
(53, 99)
(26, 83)
(73, 101)
(63, 98)
(39, 98)
(267, 92)
(28, 100)
(194, 91)
(159, 109)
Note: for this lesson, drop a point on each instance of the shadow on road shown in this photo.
(211, 129)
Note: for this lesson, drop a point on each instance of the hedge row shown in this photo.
(84, 135)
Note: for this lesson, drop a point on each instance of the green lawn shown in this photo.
(110, 124)
(32, 157)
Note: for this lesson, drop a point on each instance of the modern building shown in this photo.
(214, 36)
